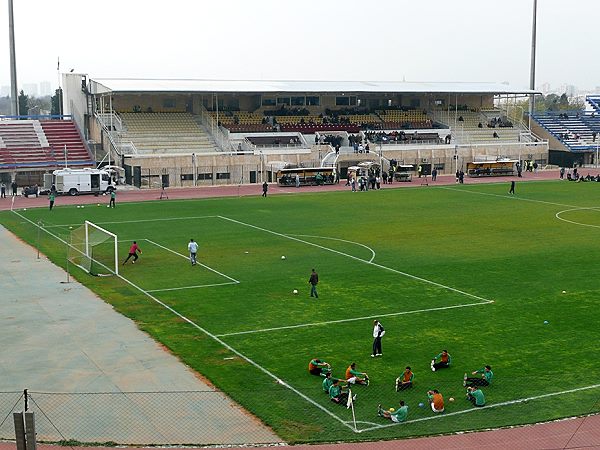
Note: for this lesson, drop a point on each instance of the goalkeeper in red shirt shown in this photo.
(133, 252)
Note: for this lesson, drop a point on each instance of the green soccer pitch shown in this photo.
(509, 281)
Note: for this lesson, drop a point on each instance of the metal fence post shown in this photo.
(19, 430)
(30, 430)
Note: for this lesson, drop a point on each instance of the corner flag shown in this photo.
(349, 402)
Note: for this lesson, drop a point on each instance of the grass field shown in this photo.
(467, 268)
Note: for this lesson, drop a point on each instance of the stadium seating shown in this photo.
(594, 101)
(574, 129)
(395, 119)
(34, 144)
(166, 133)
(61, 133)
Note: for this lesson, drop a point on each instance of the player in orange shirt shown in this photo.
(436, 401)
(353, 376)
(404, 381)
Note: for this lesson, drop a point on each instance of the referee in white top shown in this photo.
(193, 248)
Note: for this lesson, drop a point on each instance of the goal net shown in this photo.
(94, 250)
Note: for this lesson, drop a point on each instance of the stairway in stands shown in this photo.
(61, 133)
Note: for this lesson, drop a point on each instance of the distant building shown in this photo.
(570, 90)
(31, 89)
(545, 88)
(45, 88)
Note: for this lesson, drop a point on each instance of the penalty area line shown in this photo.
(495, 405)
(198, 286)
(355, 319)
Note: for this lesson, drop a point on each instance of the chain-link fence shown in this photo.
(135, 418)
(209, 418)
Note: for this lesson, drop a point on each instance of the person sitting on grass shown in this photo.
(328, 382)
(444, 363)
(337, 394)
(399, 415)
(475, 396)
(353, 376)
(484, 378)
(436, 401)
(318, 367)
(405, 380)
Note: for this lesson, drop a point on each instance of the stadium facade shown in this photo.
(206, 132)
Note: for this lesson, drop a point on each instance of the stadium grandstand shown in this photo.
(29, 146)
(573, 136)
(205, 132)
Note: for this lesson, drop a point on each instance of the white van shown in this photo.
(79, 181)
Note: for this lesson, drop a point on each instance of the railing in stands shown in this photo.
(215, 131)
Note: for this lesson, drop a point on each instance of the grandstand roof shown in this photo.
(125, 85)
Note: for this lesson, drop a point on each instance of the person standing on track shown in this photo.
(265, 188)
(51, 198)
(133, 252)
(113, 196)
(193, 249)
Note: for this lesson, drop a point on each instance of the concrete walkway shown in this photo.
(61, 338)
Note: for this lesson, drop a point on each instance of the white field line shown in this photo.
(557, 215)
(212, 336)
(495, 405)
(380, 266)
(192, 287)
(354, 319)
(340, 240)
(511, 197)
(136, 221)
(200, 264)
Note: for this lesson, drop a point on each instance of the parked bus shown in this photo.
(498, 168)
(307, 176)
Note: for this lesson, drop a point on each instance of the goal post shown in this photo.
(95, 249)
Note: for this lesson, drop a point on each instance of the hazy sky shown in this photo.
(435, 40)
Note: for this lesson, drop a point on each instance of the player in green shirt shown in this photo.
(484, 378)
(328, 382)
(397, 416)
(51, 198)
(337, 394)
(475, 396)
(113, 196)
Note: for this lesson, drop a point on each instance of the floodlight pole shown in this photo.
(14, 100)
(532, 67)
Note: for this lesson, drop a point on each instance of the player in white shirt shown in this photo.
(193, 248)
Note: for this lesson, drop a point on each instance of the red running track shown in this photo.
(139, 195)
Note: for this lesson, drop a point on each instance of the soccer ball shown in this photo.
(392, 410)
(421, 405)
(282, 257)
(104, 193)
(451, 399)
(78, 206)
(98, 204)
(82, 206)
(108, 206)
(295, 291)
(24, 209)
